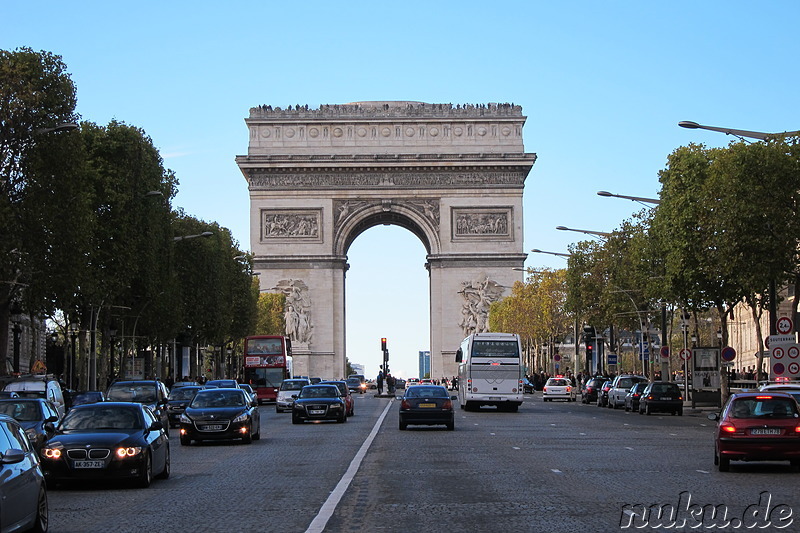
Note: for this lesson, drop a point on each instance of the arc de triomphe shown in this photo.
(452, 175)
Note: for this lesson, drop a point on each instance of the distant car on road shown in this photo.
(178, 400)
(602, 393)
(634, 395)
(221, 414)
(150, 392)
(344, 390)
(559, 389)
(590, 390)
(620, 387)
(319, 402)
(427, 405)
(222, 383)
(289, 388)
(661, 396)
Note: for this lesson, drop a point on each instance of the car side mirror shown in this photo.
(156, 426)
(53, 418)
(294, 396)
(49, 427)
(713, 416)
(12, 456)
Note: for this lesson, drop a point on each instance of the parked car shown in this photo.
(39, 386)
(221, 414)
(83, 398)
(22, 485)
(633, 396)
(289, 388)
(319, 402)
(150, 392)
(620, 387)
(589, 392)
(108, 440)
(661, 396)
(427, 405)
(602, 393)
(559, 388)
(36, 416)
(177, 401)
(344, 391)
(757, 426)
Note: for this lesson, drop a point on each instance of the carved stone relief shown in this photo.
(429, 209)
(288, 223)
(297, 311)
(478, 296)
(479, 223)
(335, 180)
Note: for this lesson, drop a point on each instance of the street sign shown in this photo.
(728, 354)
(784, 325)
(664, 352)
(778, 339)
(556, 357)
(612, 358)
(784, 353)
(39, 367)
(685, 354)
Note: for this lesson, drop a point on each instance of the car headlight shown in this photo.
(244, 417)
(130, 451)
(185, 419)
(336, 406)
(51, 453)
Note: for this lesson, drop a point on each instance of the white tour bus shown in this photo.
(489, 371)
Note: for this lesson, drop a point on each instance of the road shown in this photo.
(550, 467)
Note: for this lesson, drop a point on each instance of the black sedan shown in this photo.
(178, 400)
(221, 414)
(107, 440)
(319, 402)
(427, 405)
(36, 416)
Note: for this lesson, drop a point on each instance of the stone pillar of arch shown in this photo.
(318, 178)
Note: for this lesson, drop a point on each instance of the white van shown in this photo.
(39, 387)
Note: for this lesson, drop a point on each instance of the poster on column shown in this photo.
(705, 365)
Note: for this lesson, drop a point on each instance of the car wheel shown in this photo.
(185, 440)
(42, 516)
(451, 425)
(257, 436)
(146, 475)
(679, 412)
(278, 410)
(795, 464)
(647, 410)
(724, 464)
(627, 408)
(296, 419)
(403, 426)
(248, 437)
(165, 473)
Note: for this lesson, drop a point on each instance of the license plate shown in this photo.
(214, 427)
(316, 411)
(426, 405)
(89, 464)
(666, 397)
(767, 431)
(495, 398)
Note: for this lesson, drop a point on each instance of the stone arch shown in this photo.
(367, 216)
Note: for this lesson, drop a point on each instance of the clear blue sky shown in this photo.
(603, 85)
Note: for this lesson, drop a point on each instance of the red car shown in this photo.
(757, 426)
(344, 390)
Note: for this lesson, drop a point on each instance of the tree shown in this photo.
(36, 95)
(271, 319)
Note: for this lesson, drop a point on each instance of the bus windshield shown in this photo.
(264, 377)
(495, 348)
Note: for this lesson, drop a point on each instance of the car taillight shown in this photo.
(650, 397)
(728, 428)
(797, 429)
(544, 389)
(447, 405)
(405, 405)
(569, 389)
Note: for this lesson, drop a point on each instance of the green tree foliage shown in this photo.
(270, 314)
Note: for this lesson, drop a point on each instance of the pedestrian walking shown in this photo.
(379, 379)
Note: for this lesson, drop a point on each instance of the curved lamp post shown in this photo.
(632, 198)
(602, 234)
(737, 133)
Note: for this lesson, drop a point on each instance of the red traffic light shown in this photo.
(383, 344)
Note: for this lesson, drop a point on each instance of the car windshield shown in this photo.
(420, 391)
(763, 407)
(354, 381)
(327, 391)
(124, 392)
(293, 385)
(218, 398)
(98, 417)
(22, 411)
(183, 393)
(557, 382)
(665, 388)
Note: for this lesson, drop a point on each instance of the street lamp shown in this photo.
(65, 126)
(187, 237)
(602, 234)
(538, 251)
(625, 197)
(736, 133)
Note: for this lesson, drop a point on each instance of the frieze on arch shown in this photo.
(377, 179)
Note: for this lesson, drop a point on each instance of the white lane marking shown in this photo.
(673, 434)
(703, 471)
(556, 471)
(326, 511)
(584, 434)
(492, 433)
(628, 448)
(515, 447)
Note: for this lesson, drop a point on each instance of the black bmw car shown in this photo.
(427, 405)
(108, 440)
(221, 414)
(319, 402)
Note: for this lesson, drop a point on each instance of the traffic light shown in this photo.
(383, 344)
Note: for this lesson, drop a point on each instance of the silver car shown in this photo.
(22, 486)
